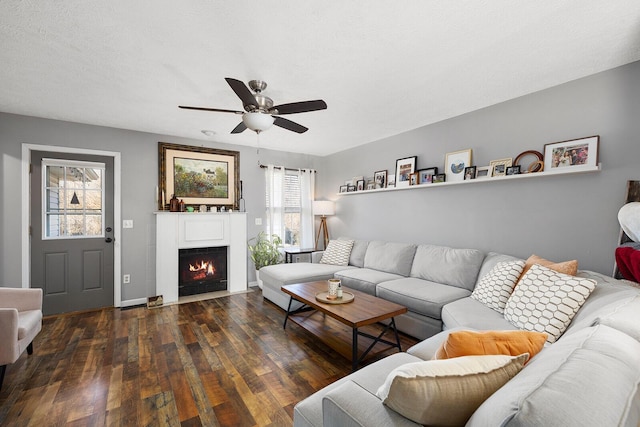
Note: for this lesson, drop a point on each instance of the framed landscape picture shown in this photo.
(455, 163)
(198, 175)
(572, 153)
(404, 168)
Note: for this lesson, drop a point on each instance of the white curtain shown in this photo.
(275, 197)
(307, 195)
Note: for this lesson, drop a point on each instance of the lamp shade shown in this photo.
(629, 218)
(258, 122)
(324, 207)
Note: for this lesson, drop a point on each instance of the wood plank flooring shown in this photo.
(219, 362)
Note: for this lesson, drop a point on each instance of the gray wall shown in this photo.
(139, 152)
(562, 217)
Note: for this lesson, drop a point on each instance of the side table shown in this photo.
(290, 252)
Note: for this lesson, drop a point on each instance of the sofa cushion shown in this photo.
(286, 274)
(308, 412)
(454, 267)
(364, 279)
(565, 267)
(477, 343)
(469, 313)
(495, 288)
(546, 301)
(337, 252)
(448, 391)
(625, 318)
(420, 296)
(393, 258)
(589, 378)
(490, 261)
(357, 252)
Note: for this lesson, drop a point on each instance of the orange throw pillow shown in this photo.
(471, 343)
(566, 267)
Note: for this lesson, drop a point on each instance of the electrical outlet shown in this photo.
(127, 223)
(126, 278)
(258, 221)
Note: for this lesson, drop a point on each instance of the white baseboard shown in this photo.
(130, 302)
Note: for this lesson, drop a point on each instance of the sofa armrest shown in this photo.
(351, 405)
(21, 299)
(316, 256)
(9, 350)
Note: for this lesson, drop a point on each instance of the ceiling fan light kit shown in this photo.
(259, 112)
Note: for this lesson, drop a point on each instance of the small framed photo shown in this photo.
(426, 175)
(455, 163)
(391, 181)
(404, 168)
(513, 170)
(343, 188)
(575, 152)
(499, 167)
(441, 177)
(371, 185)
(483, 172)
(351, 188)
(360, 185)
(469, 172)
(380, 179)
(413, 178)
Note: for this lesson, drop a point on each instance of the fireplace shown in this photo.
(202, 270)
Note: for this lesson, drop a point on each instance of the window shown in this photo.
(72, 199)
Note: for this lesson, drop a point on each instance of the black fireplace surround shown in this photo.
(202, 270)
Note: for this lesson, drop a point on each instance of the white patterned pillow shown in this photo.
(495, 288)
(546, 301)
(337, 252)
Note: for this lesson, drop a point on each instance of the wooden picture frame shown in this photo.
(582, 152)
(413, 178)
(404, 168)
(426, 175)
(198, 175)
(380, 179)
(454, 164)
(499, 166)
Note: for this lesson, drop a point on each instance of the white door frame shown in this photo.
(117, 214)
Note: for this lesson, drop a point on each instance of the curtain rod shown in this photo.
(288, 169)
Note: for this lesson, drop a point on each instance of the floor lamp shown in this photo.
(323, 208)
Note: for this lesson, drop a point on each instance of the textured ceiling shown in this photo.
(383, 67)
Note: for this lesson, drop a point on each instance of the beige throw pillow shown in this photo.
(447, 392)
(337, 252)
(546, 301)
(495, 288)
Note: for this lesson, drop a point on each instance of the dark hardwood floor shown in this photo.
(224, 361)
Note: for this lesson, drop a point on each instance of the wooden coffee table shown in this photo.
(364, 310)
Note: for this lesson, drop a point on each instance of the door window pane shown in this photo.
(73, 199)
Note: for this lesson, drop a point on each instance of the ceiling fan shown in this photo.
(259, 112)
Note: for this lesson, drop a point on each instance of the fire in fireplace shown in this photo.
(202, 270)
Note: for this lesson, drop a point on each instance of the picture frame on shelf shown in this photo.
(469, 173)
(351, 188)
(391, 181)
(404, 168)
(582, 152)
(426, 175)
(529, 161)
(454, 164)
(483, 172)
(360, 185)
(371, 185)
(439, 178)
(513, 170)
(380, 179)
(343, 189)
(499, 166)
(413, 178)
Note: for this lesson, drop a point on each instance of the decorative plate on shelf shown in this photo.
(346, 298)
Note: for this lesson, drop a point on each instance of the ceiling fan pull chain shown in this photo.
(258, 147)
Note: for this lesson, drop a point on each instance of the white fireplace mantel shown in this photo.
(175, 231)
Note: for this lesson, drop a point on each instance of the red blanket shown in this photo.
(628, 260)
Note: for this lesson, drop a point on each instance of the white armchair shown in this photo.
(20, 322)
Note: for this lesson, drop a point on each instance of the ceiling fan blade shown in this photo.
(289, 125)
(240, 128)
(248, 100)
(299, 107)
(219, 110)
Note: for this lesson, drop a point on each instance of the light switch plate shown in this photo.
(127, 223)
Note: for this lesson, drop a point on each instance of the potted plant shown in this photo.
(265, 251)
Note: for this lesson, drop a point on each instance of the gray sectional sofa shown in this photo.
(589, 377)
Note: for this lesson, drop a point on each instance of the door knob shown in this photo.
(109, 240)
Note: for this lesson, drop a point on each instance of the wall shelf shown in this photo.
(564, 171)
